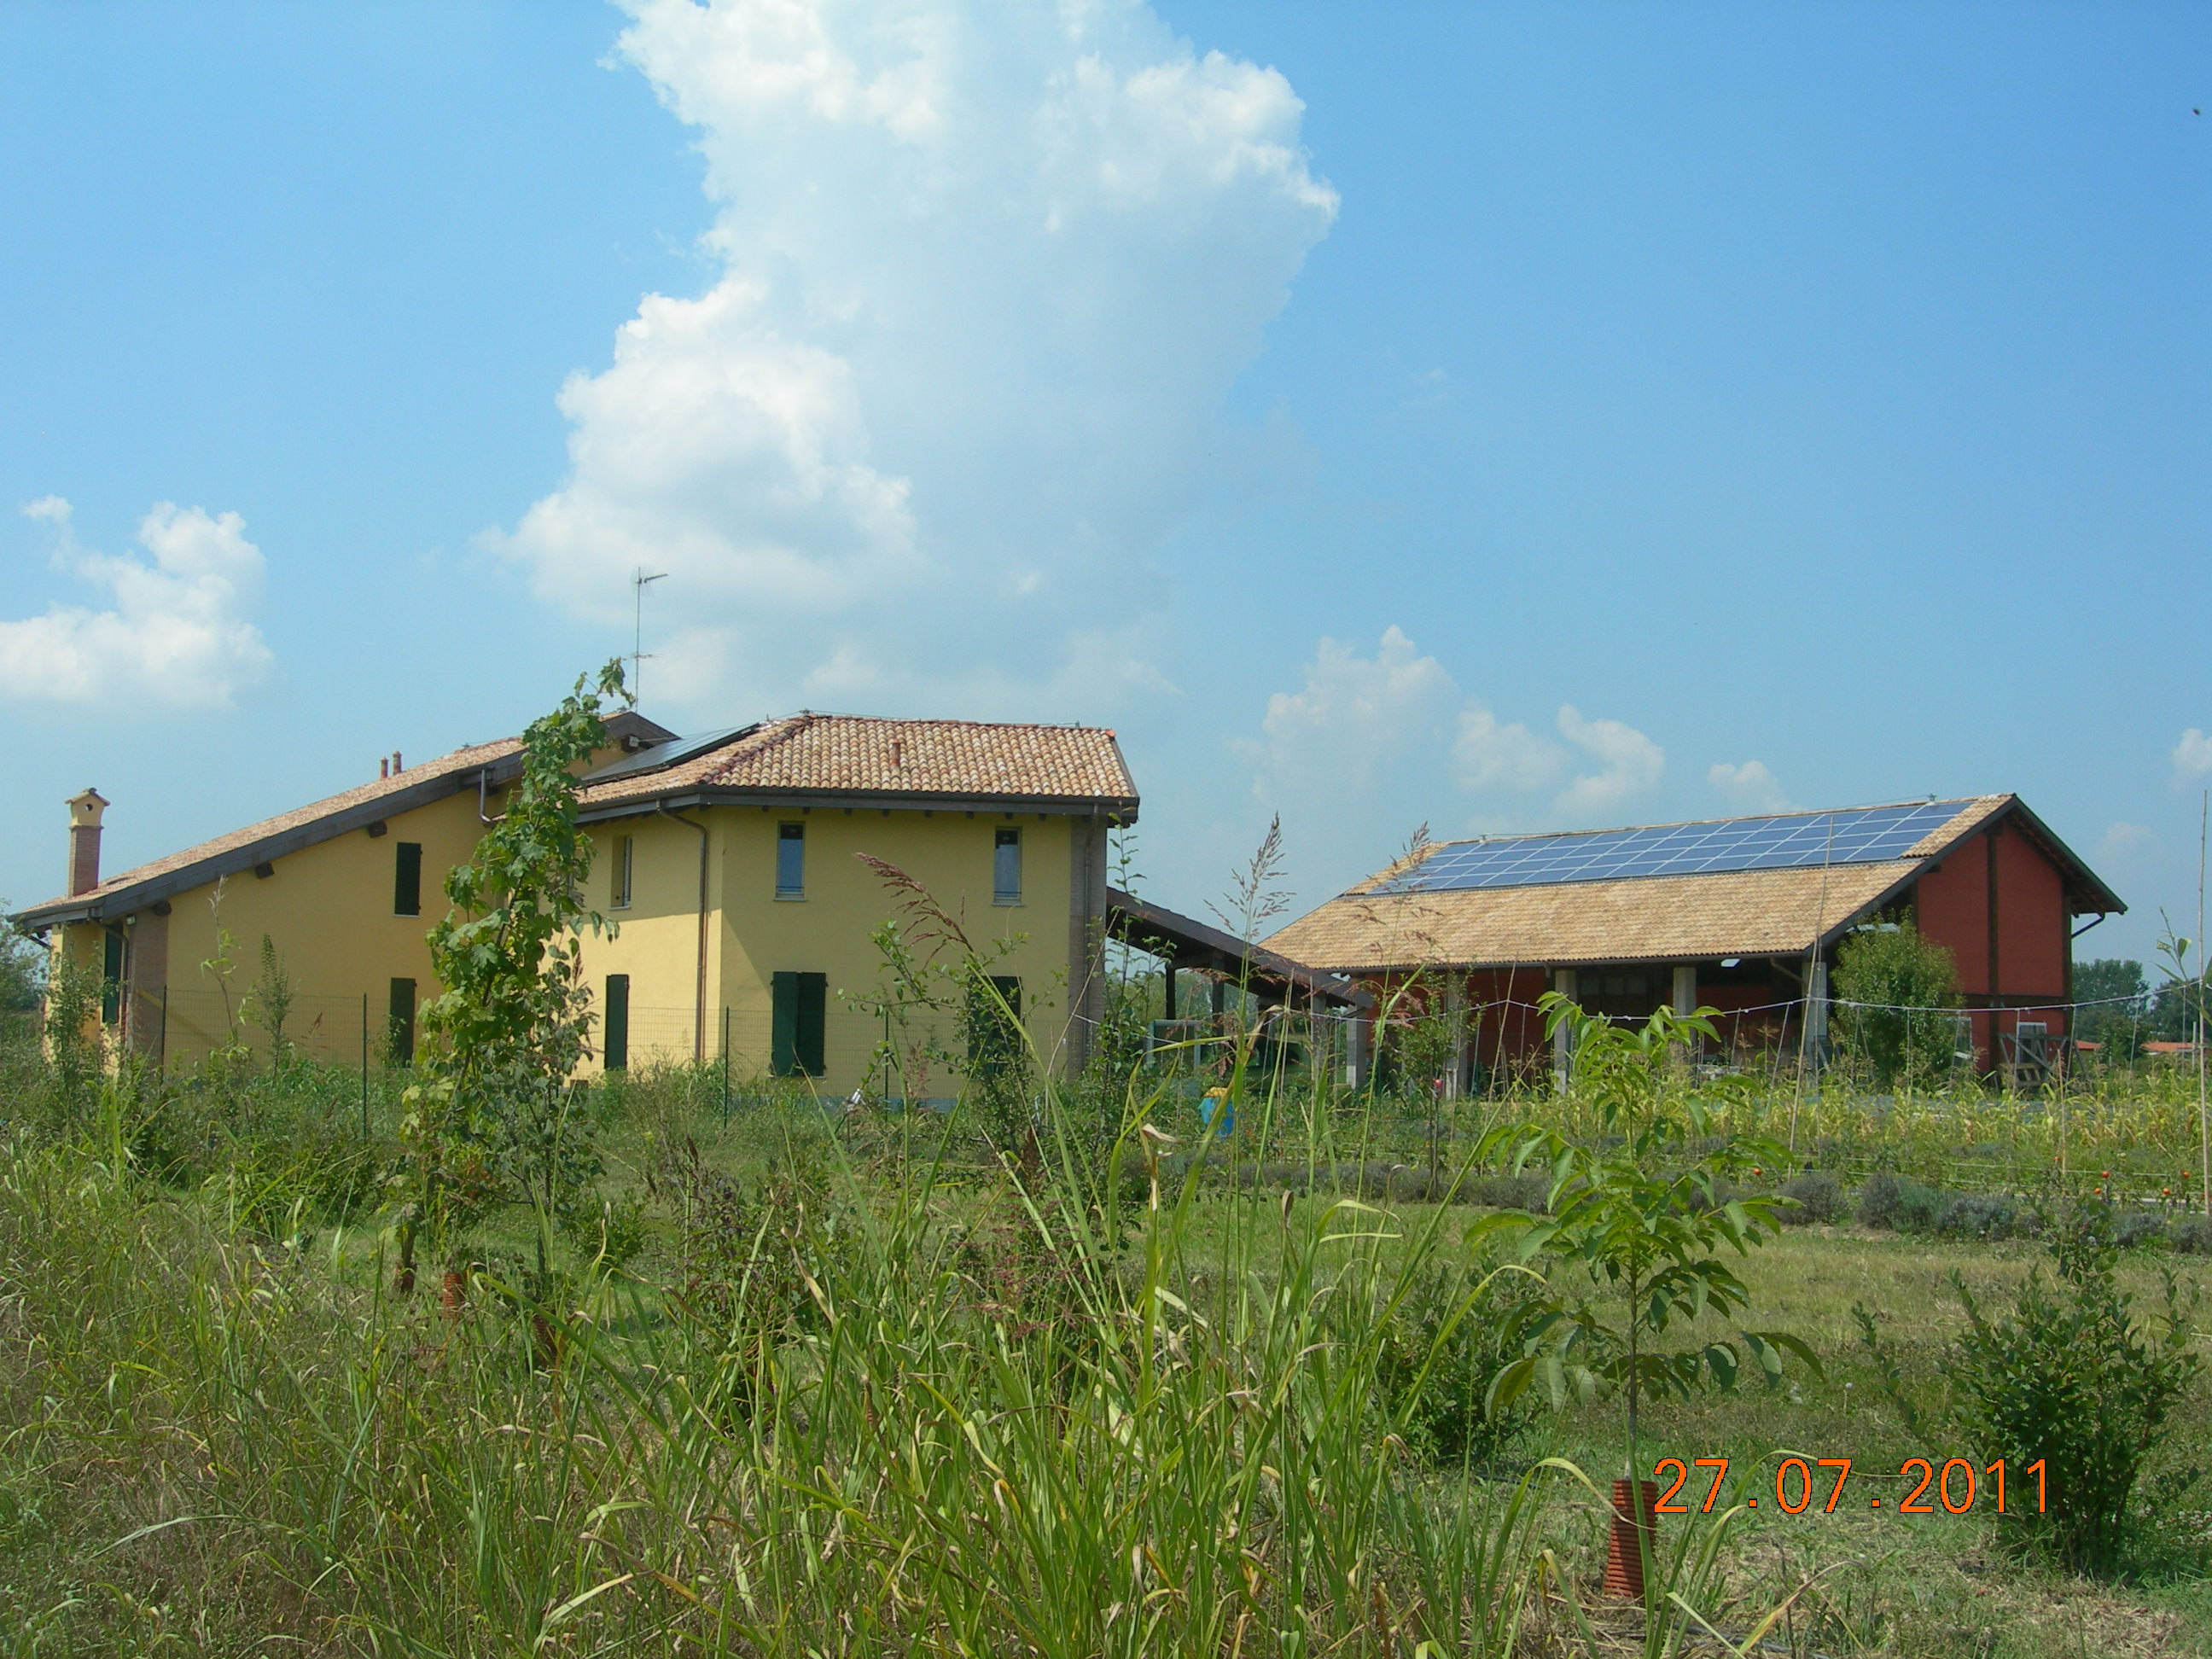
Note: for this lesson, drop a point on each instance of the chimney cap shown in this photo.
(87, 805)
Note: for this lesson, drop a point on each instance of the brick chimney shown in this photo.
(84, 841)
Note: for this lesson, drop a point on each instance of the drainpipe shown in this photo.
(698, 1007)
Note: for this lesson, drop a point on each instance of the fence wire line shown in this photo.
(2037, 1007)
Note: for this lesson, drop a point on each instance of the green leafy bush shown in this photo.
(1983, 1215)
(1892, 986)
(1819, 1198)
(2071, 1377)
(1900, 1203)
(1439, 1349)
(2191, 1235)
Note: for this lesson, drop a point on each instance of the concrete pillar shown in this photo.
(1816, 1016)
(1562, 1048)
(1684, 1002)
(1686, 988)
(1454, 1006)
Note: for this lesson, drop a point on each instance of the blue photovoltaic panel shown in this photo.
(1856, 835)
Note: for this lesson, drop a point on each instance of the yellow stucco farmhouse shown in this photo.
(735, 866)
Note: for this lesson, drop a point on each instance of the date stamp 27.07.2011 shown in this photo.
(1957, 1486)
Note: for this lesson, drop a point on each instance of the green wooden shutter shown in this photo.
(111, 977)
(617, 1032)
(407, 878)
(783, 1026)
(399, 1034)
(813, 1009)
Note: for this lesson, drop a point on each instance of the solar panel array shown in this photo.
(1857, 835)
(663, 755)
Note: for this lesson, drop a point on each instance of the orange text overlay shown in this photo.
(1817, 1483)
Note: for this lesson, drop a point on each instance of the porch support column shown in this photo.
(1684, 1003)
(1816, 1018)
(1686, 988)
(1563, 1049)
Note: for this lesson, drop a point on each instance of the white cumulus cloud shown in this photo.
(1353, 716)
(175, 631)
(1628, 763)
(1749, 787)
(1492, 753)
(988, 270)
(1371, 745)
(2123, 840)
(2192, 756)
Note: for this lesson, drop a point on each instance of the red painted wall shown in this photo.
(1510, 1037)
(2032, 928)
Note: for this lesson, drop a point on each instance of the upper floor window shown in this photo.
(1006, 868)
(791, 860)
(625, 847)
(407, 878)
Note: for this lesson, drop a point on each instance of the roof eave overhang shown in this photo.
(115, 902)
(1171, 927)
(2086, 891)
(1118, 809)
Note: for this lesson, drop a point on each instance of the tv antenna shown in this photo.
(640, 581)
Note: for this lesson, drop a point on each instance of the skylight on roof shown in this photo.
(1797, 841)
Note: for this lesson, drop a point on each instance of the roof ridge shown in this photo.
(935, 720)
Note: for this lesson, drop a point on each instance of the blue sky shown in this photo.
(1499, 417)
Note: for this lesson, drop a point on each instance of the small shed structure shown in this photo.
(1742, 915)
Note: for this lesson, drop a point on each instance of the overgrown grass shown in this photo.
(895, 1395)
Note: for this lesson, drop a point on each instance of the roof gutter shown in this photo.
(1115, 809)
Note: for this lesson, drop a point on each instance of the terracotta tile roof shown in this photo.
(1750, 912)
(1747, 913)
(852, 754)
(238, 850)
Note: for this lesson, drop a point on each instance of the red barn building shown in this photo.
(1742, 915)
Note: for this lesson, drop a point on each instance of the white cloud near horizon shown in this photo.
(1629, 763)
(2123, 840)
(1365, 735)
(1748, 788)
(989, 271)
(2192, 756)
(176, 631)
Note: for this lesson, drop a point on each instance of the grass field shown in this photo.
(849, 1392)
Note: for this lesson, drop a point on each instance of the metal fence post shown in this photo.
(725, 1066)
(364, 1066)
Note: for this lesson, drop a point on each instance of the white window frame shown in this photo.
(625, 873)
(1000, 894)
(795, 891)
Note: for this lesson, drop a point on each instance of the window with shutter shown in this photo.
(407, 878)
(111, 977)
(616, 1041)
(798, 1017)
(994, 1040)
(399, 1030)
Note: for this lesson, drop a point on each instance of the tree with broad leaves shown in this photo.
(495, 1119)
(1642, 1225)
